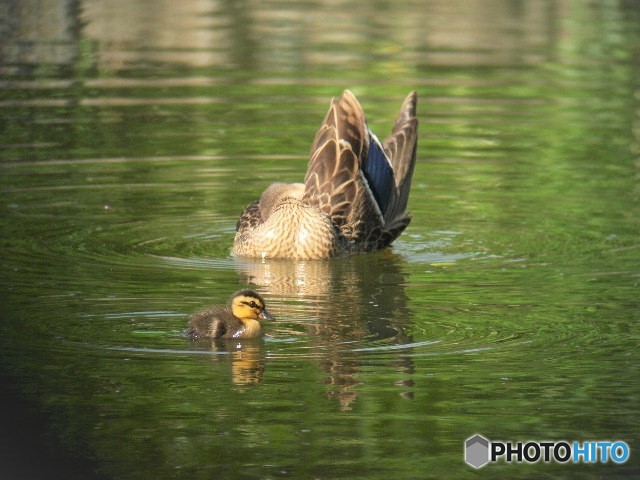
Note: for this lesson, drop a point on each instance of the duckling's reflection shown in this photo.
(246, 356)
(347, 303)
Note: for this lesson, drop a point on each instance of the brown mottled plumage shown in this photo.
(238, 320)
(354, 194)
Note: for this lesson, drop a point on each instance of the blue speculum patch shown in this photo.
(379, 174)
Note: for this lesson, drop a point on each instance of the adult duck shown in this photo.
(353, 198)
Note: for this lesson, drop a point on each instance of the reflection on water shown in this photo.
(367, 304)
(246, 358)
(118, 35)
(132, 135)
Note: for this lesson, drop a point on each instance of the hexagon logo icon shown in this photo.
(476, 451)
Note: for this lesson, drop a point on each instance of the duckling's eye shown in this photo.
(253, 304)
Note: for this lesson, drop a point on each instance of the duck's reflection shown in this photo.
(349, 306)
(246, 357)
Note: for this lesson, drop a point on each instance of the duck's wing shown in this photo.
(335, 181)
(249, 219)
(400, 148)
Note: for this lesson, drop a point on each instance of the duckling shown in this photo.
(354, 194)
(238, 320)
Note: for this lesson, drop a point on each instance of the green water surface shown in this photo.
(132, 135)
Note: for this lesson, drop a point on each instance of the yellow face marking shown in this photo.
(247, 308)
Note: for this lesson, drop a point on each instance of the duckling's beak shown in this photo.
(265, 315)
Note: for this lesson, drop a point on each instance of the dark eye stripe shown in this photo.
(252, 304)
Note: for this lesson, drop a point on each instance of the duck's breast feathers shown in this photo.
(276, 194)
(259, 211)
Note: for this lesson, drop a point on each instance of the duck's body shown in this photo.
(354, 194)
(238, 320)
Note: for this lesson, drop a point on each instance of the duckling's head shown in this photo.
(249, 305)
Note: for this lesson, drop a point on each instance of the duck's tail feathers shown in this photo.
(331, 183)
(361, 184)
(400, 148)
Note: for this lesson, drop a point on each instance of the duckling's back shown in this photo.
(213, 322)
